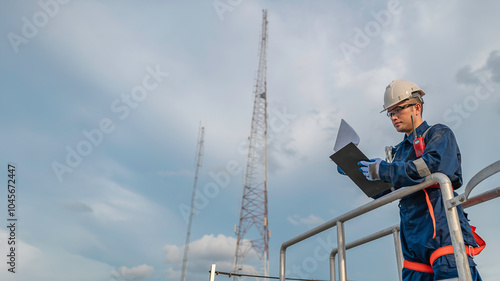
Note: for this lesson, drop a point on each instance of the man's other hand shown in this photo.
(340, 171)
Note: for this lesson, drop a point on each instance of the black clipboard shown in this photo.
(347, 159)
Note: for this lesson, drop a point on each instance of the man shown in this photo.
(421, 233)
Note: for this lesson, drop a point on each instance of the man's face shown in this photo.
(401, 116)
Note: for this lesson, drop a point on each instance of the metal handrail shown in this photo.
(482, 175)
(394, 230)
(451, 214)
(476, 179)
(481, 198)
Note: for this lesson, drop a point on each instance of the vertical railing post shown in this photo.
(282, 263)
(341, 247)
(399, 252)
(457, 239)
(212, 272)
(332, 267)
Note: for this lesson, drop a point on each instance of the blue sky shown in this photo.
(102, 101)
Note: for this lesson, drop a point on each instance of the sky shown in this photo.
(102, 103)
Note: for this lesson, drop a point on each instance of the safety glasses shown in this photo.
(398, 109)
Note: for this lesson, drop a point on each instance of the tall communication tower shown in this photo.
(198, 160)
(252, 231)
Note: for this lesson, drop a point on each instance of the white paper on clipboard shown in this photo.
(347, 155)
(345, 136)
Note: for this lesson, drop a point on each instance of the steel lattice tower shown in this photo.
(198, 161)
(253, 232)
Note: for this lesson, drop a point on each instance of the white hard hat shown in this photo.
(400, 90)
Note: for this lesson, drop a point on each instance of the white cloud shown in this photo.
(174, 253)
(50, 264)
(202, 253)
(137, 273)
(113, 202)
(310, 221)
(218, 247)
(214, 247)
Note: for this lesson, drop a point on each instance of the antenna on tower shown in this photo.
(253, 230)
(198, 161)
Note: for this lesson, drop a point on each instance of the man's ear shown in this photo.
(418, 108)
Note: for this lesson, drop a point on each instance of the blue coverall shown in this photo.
(441, 154)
